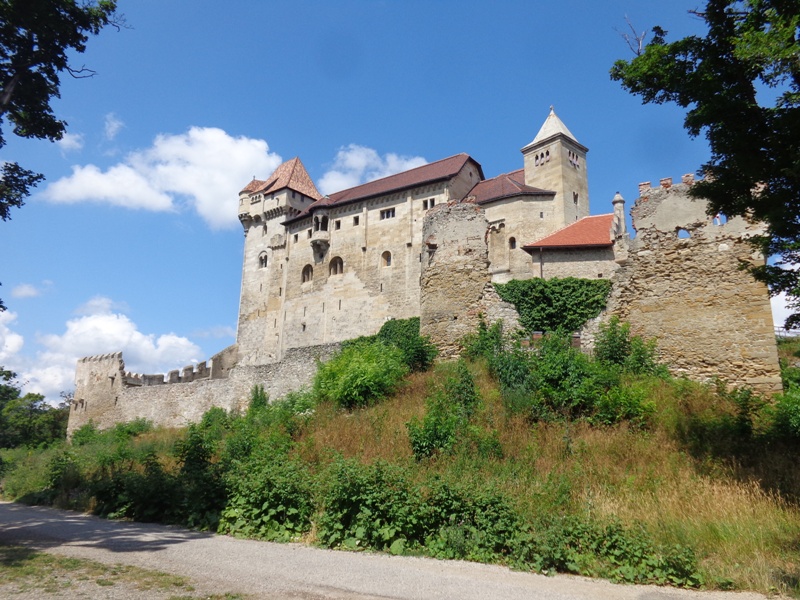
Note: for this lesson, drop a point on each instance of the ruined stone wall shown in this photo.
(106, 395)
(455, 282)
(682, 285)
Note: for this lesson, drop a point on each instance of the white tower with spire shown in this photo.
(556, 161)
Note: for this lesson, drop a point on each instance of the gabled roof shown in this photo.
(506, 185)
(291, 174)
(552, 127)
(589, 232)
(440, 170)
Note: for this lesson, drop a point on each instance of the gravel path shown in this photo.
(220, 564)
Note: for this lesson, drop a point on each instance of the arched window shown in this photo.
(337, 266)
(308, 273)
(262, 260)
(386, 259)
(512, 243)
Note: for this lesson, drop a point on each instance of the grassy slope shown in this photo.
(689, 479)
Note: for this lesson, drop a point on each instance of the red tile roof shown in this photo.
(589, 232)
(441, 170)
(291, 174)
(435, 171)
(505, 186)
(252, 186)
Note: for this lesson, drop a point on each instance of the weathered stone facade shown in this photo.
(682, 284)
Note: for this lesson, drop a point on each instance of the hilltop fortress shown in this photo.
(428, 242)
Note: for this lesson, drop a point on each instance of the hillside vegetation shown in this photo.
(537, 457)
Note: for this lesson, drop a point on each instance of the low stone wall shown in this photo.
(103, 396)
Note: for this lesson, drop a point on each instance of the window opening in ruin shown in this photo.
(719, 219)
(387, 214)
(337, 224)
(512, 243)
(386, 259)
(683, 234)
(262, 260)
(308, 273)
(337, 266)
(355, 221)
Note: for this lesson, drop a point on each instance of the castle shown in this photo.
(428, 242)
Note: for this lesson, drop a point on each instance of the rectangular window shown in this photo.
(309, 233)
(541, 215)
(337, 224)
(424, 205)
(295, 238)
(433, 203)
(387, 214)
(355, 221)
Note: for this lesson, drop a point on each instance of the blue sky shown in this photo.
(133, 244)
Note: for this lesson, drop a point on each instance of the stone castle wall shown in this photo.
(455, 281)
(105, 394)
(682, 284)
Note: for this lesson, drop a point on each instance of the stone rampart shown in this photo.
(105, 394)
(683, 284)
(455, 281)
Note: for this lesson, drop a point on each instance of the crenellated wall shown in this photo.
(682, 284)
(105, 394)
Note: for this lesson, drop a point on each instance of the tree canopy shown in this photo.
(740, 85)
(28, 420)
(36, 39)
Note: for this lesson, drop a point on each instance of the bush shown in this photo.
(360, 374)
(787, 413)
(614, 345)
(417, 351)
(269, 498)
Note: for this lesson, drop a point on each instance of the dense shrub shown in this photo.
(360, 374)
(555, 304)
(418, 352)
(615, 345)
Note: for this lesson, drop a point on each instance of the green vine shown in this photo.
(553, 304)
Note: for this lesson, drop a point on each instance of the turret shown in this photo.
(556, 161)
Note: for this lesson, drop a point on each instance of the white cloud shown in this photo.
(356, 164)
(98, 330)
(112, 126)
(70, 142)
(204, 168)
(25, 290)
(780, 310)
(10, 342)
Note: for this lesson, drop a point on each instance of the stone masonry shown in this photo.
(683, 284)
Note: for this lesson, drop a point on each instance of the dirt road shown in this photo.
(264, 570)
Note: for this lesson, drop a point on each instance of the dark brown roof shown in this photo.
(291, 174)
(589, 232)
(505, 186)
(441, 170)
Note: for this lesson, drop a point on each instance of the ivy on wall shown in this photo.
(551, 304)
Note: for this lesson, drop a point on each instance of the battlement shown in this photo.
(665, 184)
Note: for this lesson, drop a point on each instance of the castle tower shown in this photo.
(263, 207)
(556, 161)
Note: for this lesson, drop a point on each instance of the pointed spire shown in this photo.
(291, 174)
(552, 126)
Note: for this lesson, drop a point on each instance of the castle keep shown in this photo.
(428, 242)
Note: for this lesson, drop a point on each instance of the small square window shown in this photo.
(355, 221)
(337, 224)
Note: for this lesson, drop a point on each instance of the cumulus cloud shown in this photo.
(203, 168)
(112, 126)
(70, 142)
(25, 290)
(356, 164)
(97, 330)
(780, 309)
(10, 342)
